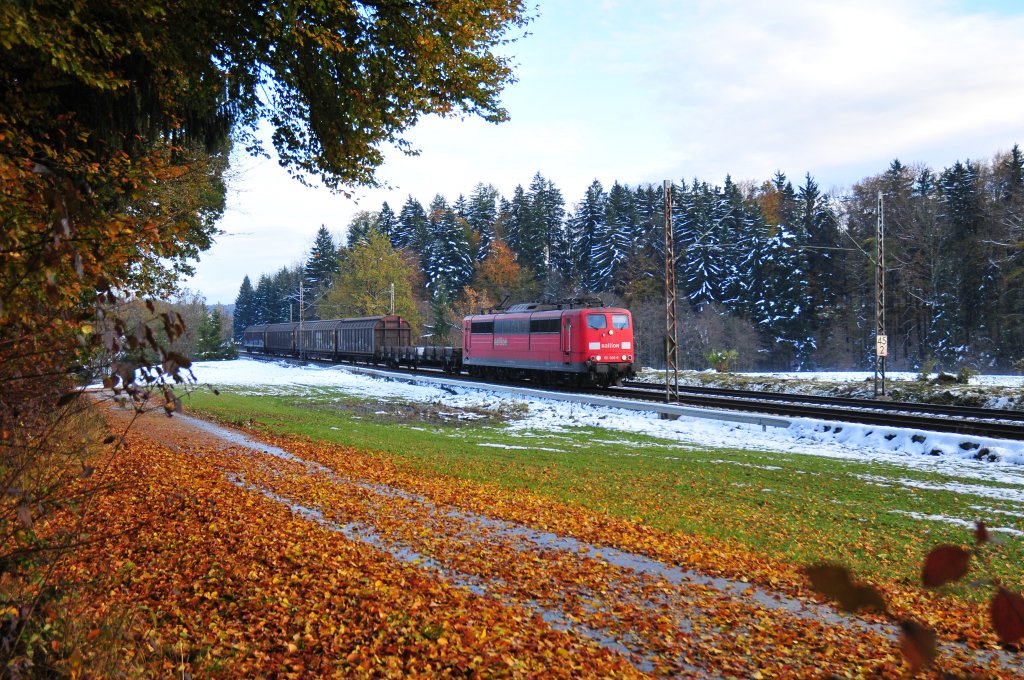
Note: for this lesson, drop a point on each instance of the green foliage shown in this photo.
(964, 375)
(361, 225)
(721, 359)
(441, 325)
(211, 343)
(245, 310)
(116, 121)
(321, 268)
(363, 286)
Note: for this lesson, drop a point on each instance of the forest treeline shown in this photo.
(782, 274)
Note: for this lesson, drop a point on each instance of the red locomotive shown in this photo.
(571, 341)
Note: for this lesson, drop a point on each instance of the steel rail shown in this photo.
(851, 402)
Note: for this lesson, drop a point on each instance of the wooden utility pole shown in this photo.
(671, 345)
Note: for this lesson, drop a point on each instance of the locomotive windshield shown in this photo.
(597, 321)
(620, 321)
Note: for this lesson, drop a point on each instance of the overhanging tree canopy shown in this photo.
(115, 117)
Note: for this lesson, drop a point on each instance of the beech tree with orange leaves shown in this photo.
(116, 119)
(500, 278)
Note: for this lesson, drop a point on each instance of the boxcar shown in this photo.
(355, 339)
(583, 345)
(254, 338)
(280, 338)
(371, 339)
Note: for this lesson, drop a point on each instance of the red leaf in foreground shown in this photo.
(944, 564)
(980, 533)
(1008, 616)
(918, 645)
(836, 583)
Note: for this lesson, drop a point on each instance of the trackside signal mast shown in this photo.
(302, 306)
(671, 344)
(881, 339)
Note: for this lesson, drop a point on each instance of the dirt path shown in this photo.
(661, 617)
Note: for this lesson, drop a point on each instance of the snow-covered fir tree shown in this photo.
(482, 214)
(387, 221)
(699, 246)
(622, 231)
(411, 230)
(585, 234)
(359, 228)
(516, 222)
(779, 288)
(447, 260)
(548, 208)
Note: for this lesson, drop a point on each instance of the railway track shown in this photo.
(978, 422)
(996, 423)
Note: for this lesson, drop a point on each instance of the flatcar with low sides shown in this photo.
(572, 341)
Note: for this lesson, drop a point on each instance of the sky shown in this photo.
(639, 91)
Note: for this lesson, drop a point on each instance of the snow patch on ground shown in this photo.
(518, 448)
(1001, 461)
(970, 524)
(894, 377)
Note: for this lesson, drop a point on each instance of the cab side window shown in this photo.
(597, 321)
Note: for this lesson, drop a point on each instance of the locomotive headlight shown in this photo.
(597, 358)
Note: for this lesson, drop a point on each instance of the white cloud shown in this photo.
(654, 89)
(823, 85)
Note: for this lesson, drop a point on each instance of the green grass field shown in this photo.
(801, 508)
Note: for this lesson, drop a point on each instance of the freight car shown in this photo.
(373, 340)
(579, 342)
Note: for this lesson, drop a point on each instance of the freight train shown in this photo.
(578, 342)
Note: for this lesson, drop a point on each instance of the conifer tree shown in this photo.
(321, 266)
(411, 231)
(441, 326)
(447, 260)
(482, 214)
(265, 301)
(461, 207)
(360, 226)
(547, 214)
(245, 309)
(586, 241)
(820, 227)
(701, 271)
(738, 223)
(781, 294)
(387, 221)
(363, 286)
(211, 343)
(967, 283)
(516, 222)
